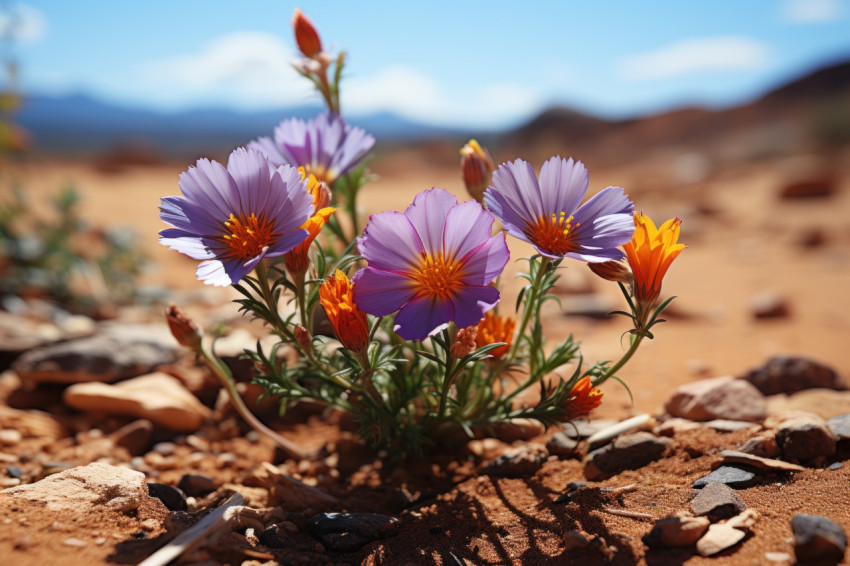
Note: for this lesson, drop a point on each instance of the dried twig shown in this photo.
(624, 513)
(190, 538)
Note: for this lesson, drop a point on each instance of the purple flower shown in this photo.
(433, 264)
(547, 214)
(326, 146)
(232, 218)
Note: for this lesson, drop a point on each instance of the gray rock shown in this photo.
(629, 452)
(789, 374)
(676, 531)
(717, 398)
(102, 357)
(717, 501)
(835, 466)
(561, 445)
(818, 539)
(732, 476)
(805, 437)
(840, 426)
(517, 462)
(347, 532)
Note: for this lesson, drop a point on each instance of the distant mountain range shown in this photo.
(80, 124)
(816, 106)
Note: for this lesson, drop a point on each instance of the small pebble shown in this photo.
(836, 466)
(100, 541)
(14, 471)
(74, 542)
(164, 448)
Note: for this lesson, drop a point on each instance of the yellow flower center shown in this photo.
(437, 276)
(554, 235)
(248, 235)
(321, 173)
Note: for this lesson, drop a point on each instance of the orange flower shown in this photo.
(306, 35)
(348, 321)
(493, 329)
(477, 167)
(650, 254)
(583, 398)
(296, 259)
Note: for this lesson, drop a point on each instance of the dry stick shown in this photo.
(189, 538)
(624, 513)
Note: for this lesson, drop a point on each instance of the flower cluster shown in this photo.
(411, 300)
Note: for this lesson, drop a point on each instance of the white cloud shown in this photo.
(696, 55)
(410, 93)
(22, 23)
(247, 68)
(811, 11)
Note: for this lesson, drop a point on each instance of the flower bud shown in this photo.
(306, 35)
(302, 336)
(183, 329)
(477, 167)
(464, 342)
(613, 271)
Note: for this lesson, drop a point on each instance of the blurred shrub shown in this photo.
(61, 259)
(831, 122)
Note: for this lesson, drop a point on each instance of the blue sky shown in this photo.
(472, 64)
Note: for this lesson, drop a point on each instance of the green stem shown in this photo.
(263, 279)
(626, 357)
(531, 305)
(447, 377)
(223, 374)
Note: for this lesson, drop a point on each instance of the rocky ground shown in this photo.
(736, 449)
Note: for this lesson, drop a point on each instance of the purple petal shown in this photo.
(611, 200)
(518, 185)
(390, 243)
(250, 170)
(562, 185)
(286, 242)
(293, 143)
(428, 215)
(209, 185)
(355, 147)
(186, 243)
(487, 262)
(467, 227)
(185, 215)
(267, 147)
(504, 211)
(471, 302)
(290, 204)
(597, 256)
(381, 292)
(422, 316)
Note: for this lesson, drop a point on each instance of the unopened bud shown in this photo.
(302, 336)
(477, 167)
(613, 271)
(464, 342)
(306, 35)
(183, 329)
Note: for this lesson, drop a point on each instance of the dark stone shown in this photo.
(561, 445)
(273, 537)
(840, 426)
(196, 485)
(804, 438)
(517, 462)
(789, 374)
(173, 498)
(102, 357)
(570, 489)
(732, 476)
(135, 437)
(813, 187)
(14, 471)
(346, 532)
(629, 452)
(717, 501)
(818, 539)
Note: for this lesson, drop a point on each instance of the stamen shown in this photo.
(248, 235)
(555, 235)
(437, 276)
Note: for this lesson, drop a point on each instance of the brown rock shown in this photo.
(676, 531)
(31, 422)
(789, 374)
(804, 437)
(119, 489)
(824, 402)
(717, 398)
(769, 305)
(629, 452)
(135, 436)
(820, 186)
(156, 396)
